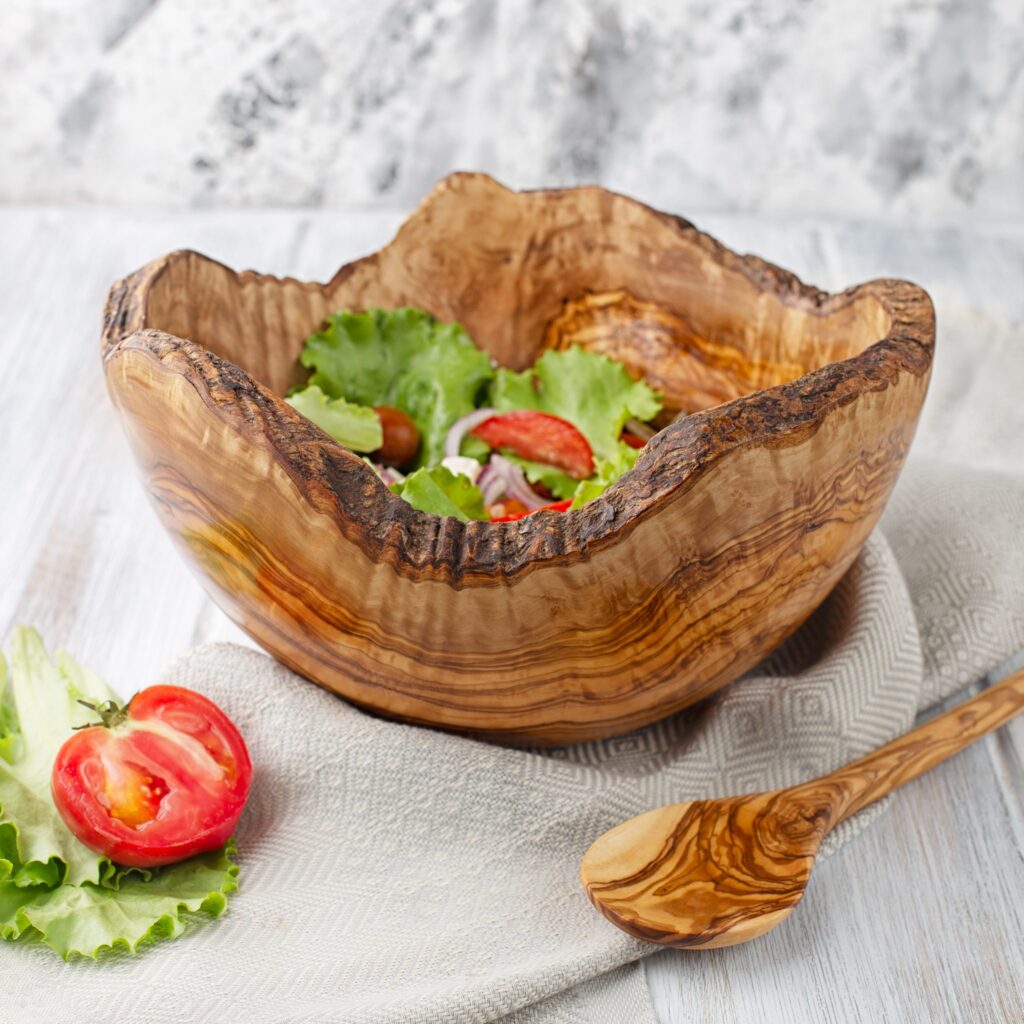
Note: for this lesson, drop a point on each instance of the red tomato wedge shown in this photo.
(632, 440)
(511, 517)
(162, 779)
(540, 437)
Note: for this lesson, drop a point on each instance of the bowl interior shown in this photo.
(523, 273)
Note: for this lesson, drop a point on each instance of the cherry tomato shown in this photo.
(539, 437)
(511, 517)
(632, 440)
(401, 438)
(162, 779)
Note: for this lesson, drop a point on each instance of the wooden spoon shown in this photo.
(719, 872)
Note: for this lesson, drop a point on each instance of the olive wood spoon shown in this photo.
(719, 872)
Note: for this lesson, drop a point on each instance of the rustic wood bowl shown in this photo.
(736, 522)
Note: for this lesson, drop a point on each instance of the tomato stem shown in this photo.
(111, 713)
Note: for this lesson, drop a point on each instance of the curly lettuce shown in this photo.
(434, 373)
(355, 426)
(404, 358)
(444, 493)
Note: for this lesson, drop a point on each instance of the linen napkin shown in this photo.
(396, 874)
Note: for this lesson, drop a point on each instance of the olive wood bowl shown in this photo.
(789, 413)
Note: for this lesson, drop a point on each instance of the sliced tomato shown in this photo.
(632, 440)
(555, 506)
(540, 437)
(160, 780)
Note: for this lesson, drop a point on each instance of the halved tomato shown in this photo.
(162, 779)
(540, 437)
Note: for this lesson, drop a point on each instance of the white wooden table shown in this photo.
(919, 919)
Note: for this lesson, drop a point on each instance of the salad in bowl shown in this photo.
(454, 434)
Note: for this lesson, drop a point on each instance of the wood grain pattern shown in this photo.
(735, 524)
(713, 873)
(691, 370)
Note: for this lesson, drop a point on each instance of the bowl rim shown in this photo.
(422, 545)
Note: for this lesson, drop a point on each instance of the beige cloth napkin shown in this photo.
(392, 874)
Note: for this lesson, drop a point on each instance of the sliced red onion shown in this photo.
(462, 426)
(516, 484)
(491, 482)
(641, 430)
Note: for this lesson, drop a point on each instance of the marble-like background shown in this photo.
(902, 109)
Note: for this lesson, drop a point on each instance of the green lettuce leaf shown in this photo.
(52, 887)
(355, 426)
(46, 697)
(444, 493)
(606, 473)
(593, 392)
(8, 739)
(404, 358)
(90, 919)
(474, 448)
(8, 718)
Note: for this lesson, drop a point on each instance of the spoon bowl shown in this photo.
(708, 872)
(719, 872)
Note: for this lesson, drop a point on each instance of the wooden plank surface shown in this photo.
(919, 919)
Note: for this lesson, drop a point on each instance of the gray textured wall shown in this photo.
(877, 108)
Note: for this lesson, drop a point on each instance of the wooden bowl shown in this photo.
(732, 528)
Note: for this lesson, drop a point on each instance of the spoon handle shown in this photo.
(854, 786)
